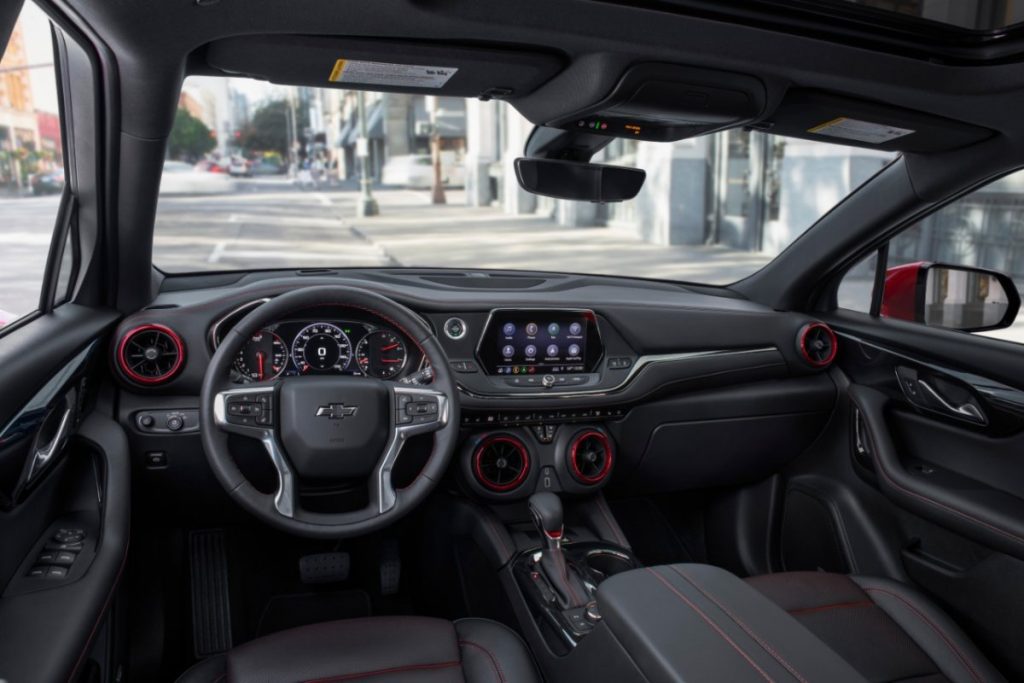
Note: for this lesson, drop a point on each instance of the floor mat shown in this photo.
(288, 611)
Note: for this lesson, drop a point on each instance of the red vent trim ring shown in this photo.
(125, 367)
(574, 455)
(805, 353)
(519, 447)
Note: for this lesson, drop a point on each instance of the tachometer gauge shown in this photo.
(321, 348)
(262, 357)
(381, 354)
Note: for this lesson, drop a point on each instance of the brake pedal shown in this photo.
(211, 606)
(390, 568)
(324, 567)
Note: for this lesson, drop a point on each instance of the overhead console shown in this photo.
(665, 102)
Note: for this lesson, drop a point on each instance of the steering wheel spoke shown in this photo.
(250, 411)
(415, 410)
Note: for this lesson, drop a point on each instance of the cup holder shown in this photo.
(606, 563)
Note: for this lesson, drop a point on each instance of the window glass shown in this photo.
(268, 176)
(984, 229)
(31, 163)
(858, 284)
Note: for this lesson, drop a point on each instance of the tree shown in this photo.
(268, 129)
(190, 138)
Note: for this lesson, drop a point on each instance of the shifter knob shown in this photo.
(546, 509)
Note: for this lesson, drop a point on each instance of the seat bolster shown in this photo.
(934, 632)
(492, 653)
(210, 670)
(387, 648)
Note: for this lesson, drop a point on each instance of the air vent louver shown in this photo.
(590, 457)
(817, 344)
(501, 463)
(150, 354)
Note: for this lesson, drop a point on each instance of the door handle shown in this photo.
(928, 393)
(42, 455)
(966, 410)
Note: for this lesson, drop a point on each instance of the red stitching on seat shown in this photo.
(381, 672)
(838, 605)
(765, 646)
(935, 627)
(490, 655)
(713, 625)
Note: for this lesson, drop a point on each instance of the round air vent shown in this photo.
(501, 463)
(590, 457)
(150, 354)
(817, 344)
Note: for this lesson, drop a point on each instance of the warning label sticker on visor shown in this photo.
(388, 74)
(861, 131)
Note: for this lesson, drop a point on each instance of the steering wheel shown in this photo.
(329, 427)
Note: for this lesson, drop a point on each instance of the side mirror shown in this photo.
(579, 180)
(953, 297)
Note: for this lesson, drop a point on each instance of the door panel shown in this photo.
(63, 465)
(929, 462)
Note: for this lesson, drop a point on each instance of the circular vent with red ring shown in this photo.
(591, 457)
(501, 463)
(817, 344)
(150, 354)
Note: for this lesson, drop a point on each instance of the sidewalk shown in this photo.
(412, 232)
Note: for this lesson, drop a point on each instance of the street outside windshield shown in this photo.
(264, 176)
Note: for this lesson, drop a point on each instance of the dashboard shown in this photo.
(557, 375)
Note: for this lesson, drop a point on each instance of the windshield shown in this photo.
(264, 176)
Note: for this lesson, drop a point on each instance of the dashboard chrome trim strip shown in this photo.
(641, 363)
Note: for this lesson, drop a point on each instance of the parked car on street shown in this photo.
(416, 171)
(47, 182)
(239, 167)
(181, 178)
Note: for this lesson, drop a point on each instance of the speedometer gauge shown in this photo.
(321, 348)
(263, 356)
(381, 354)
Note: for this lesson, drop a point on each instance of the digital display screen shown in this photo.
(540, 342)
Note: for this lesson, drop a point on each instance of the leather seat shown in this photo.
(884, 629)
(378, 650)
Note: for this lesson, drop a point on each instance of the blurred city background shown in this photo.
(266, 176)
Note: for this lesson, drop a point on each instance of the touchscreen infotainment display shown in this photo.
(553, 342)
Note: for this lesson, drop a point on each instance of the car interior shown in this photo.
(513, 475)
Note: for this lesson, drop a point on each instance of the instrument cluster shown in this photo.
(336, 347)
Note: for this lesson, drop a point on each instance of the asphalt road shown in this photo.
(26, 226)
(265, 224)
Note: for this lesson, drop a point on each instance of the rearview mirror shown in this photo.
(579, 180)
(953, 297)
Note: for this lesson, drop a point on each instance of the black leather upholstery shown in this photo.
(886, 630)
(698, 623)
(377, 649)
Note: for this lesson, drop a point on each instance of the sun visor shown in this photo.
(665, 102)
(816, 115)
(387, 65)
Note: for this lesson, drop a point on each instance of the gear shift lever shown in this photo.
(546, 509)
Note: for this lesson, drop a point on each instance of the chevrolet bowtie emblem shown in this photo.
(336, 411)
